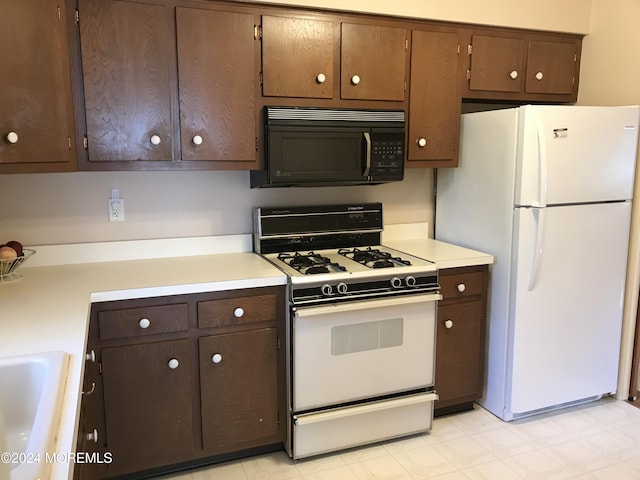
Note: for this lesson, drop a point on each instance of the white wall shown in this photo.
(610, 75)
(72, 207)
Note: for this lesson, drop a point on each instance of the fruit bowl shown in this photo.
(8, 266)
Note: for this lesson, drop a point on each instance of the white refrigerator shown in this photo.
(547, 190)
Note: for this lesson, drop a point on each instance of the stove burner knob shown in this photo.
(326, 289)
(411, 281)
(342, 287)
(396, 282)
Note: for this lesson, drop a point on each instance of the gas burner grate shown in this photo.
(373, 257)
(310, 263)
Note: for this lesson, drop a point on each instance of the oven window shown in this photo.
(365, 336)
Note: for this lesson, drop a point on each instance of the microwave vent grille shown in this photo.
(328, 114)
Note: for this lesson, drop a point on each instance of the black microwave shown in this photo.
(325, 146)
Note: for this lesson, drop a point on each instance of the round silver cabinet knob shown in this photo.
(197, 140)
(539, 76)
(91, 356)
(144, 323)
(514, 74)
(155, 140)
(12, 137)
(238, 312)
(216, 358)
(422, 142)
(448, 323)
(321, 78)
(461, 287)
(173, 363)
(355, 80)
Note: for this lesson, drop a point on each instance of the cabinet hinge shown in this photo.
(85, 143)
(573, 80)
(277, 343)
(406, 44)
(260, 78)
(468, 74)
(256, 144)
(59, 13)
(257, 32)
(100, 367)
(458, 49)
(69, 142)
(469, 49)
(76, 17)
(405, 85)
(575, 57)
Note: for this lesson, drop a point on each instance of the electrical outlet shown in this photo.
(116, 207)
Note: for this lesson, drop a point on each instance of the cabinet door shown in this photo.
(459, 352)
(551, 67)
(373, 62)
(239, 388)
(216, 78)
(497, 64)
(434, 98)
(36, 119)
(126, 60)
(148, 405)
(297, 57)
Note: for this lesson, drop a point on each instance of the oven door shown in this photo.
(353, 351)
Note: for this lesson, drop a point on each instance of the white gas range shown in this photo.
(361, 327)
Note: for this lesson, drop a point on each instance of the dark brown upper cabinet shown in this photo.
(36, 114)
(373, 62)
(522, 66)
(144, 109)
(297, 57)
(434, 99)
(305, 57)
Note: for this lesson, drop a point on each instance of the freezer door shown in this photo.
(575, 154)
(567, 290)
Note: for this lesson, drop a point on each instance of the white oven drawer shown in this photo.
(353, 351)
(316, 433)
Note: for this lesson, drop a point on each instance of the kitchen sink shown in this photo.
(31, 394)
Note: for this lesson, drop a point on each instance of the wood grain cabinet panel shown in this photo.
(297, 57)
(148, 404)
(241, 310)
(135, 322)
(461, 337)
(373, 62)
(239, 383)
(126, 70)
(497, 64)
(434, 99)
(216, 84)
(36, 117)
(551, 67)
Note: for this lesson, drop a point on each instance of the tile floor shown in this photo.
(597, 441)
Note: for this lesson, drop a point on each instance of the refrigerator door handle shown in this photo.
(542, 166)
(539, 215)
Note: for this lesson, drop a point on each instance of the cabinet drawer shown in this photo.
(133, 322)
(237, 311)
(459, 285)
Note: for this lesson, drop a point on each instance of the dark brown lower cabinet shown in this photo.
(179, 381)
(460, 338)
(245, 416)
(148, 400)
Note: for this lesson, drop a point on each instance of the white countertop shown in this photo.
(48, 309)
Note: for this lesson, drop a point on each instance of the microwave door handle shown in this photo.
(367, 139)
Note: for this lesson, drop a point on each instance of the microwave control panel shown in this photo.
(387, 155)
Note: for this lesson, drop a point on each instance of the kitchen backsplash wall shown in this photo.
(61, 208)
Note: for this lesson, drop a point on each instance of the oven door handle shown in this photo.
(307, 418)
(361, 305)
